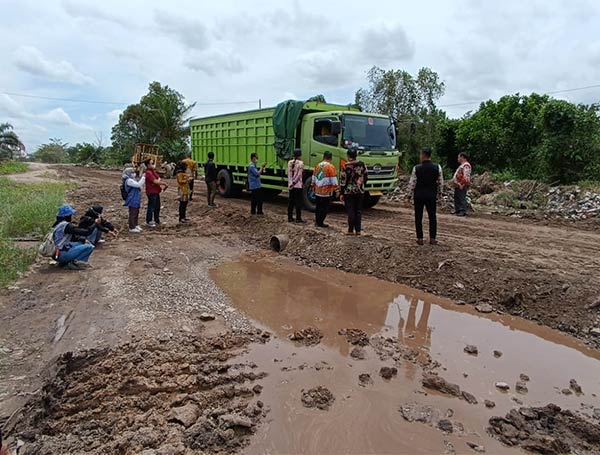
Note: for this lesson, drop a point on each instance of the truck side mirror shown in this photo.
(336, 127)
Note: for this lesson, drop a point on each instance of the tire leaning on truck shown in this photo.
(308, 196)
(370, 201)
(225, 185)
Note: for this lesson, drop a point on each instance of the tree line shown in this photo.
(519, 136)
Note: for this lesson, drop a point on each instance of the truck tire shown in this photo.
(225, 183)
(308, 196)
(370, 201)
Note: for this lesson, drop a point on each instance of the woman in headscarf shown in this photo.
(183, 189)
(134, 197)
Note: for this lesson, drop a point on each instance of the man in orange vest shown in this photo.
(325, 183)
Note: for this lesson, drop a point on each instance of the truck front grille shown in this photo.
(380, 172)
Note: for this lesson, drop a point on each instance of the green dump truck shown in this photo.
(313, 127)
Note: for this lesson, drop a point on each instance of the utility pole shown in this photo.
(259, 103)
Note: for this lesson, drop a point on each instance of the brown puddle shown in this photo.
(282, 297)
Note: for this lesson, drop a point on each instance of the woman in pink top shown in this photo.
(295, 183)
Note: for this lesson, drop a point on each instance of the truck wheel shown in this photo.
(225, 183)
(308, 195)
(370, 201)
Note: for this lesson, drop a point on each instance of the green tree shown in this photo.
(10, 144)
(410, 100)
(53, 152)
(159, 118)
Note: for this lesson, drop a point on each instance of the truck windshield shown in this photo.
(372, 133)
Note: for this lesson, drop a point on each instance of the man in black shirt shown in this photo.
(426, 184)
(210, 176)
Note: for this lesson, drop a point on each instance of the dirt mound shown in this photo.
(355, 336)
(546, 430)
(308, 336)
(174, 396)
(319, 397)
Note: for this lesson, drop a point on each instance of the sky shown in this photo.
(227, 55)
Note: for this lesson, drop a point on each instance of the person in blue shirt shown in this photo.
(254, 173)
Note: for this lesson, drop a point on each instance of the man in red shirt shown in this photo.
(154, 186)
(461, 182)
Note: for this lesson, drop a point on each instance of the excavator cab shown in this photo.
(143, 152)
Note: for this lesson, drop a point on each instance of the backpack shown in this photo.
(124, 190)
(47, 247)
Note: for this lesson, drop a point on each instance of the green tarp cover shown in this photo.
(285, 121)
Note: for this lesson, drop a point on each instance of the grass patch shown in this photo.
(13, 167)
(26, 210)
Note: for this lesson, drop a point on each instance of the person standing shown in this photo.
(461, 182)
(426, 184)
(295, 172)
(254, 185)
(210, 177)
(133, 201)
(325, 183)
(154, 186)
(191, 171)
(183, 189)
(352, 189)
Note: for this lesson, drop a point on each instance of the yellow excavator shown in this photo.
(143, 152)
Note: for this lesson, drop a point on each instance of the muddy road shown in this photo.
(180, 336)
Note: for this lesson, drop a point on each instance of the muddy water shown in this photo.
(284, 297)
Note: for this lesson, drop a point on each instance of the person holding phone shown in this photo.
(254, 185)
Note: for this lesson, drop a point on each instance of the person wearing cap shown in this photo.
(70, 254)
(133, 201)
(324, 183)
(105, 227)
(352, 189)
(295, 172)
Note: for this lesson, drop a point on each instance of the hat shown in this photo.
(98, 209)
(65, 210)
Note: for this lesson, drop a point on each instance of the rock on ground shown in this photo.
(308, 336)
(470, 349)
(435, 382)
(546, 430)
(175, 396)
(358, 353)
(355, 336)
(388, 372)
(319, 397)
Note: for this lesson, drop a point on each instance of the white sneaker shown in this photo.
(151, 224)
(139, 229)
(101, 241)
(134, 231)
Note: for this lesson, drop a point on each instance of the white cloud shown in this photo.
(189, 32)
(215, 62)
(31, 60)
(58, 116)
(383, 45)
(80, 10)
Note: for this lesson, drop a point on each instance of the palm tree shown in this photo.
(10, 142)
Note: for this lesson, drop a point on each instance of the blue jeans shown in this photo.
(77, 252)
(95, 236)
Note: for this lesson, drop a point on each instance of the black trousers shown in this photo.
(191, 184)
(321, 209)
(211, 192)
(182, 209)
(430, 205)
(256, 202)
(153, 210)
(295, 201)
(353, 203)
(460, 201)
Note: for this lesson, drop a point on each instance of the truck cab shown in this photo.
(336, 131)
